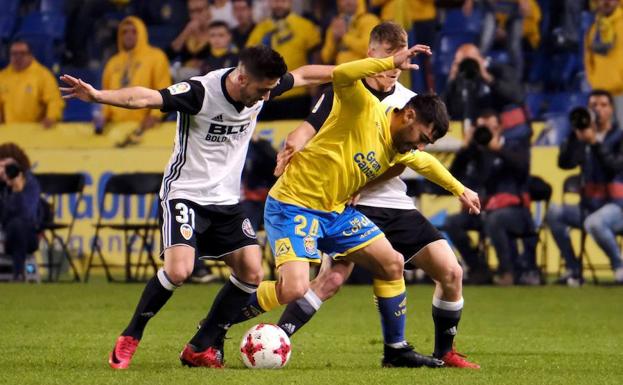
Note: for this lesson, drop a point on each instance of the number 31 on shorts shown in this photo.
(186, 215)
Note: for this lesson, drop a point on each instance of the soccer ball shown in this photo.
(265, 346)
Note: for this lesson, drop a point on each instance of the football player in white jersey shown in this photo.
(201, 215)
(386, 203)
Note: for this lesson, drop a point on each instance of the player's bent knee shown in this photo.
(455, 274)
(452, 278)
(178, 275)
(393, 268)
(254, 276)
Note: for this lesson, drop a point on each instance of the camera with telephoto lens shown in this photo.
(12, 170)
(581, 118)
(469, 69)
(482, 135)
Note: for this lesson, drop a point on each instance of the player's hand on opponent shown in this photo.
(354, 200)
(470, 200)
(283, 158)
(78, 89)
(402, 59)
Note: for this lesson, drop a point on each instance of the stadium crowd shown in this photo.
(499, 64)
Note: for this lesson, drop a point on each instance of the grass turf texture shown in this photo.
(62, 334)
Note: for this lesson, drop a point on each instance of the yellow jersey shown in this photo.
(29, 95)
(353, 147)
(144, 66)
(293, 37)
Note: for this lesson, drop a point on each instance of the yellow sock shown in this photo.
(388, 289)
(267, 295)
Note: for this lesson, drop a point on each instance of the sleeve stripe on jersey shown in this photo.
(176, 167)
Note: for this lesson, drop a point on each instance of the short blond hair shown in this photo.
(390, 33)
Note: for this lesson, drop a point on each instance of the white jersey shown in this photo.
(389, 194)
(212, 138)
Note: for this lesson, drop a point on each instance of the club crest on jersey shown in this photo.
(179, 88)
(247, 229)
(310, 245)
(186, 231)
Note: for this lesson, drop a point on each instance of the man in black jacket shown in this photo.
(476, 85)
(597, 147)
(496, 163)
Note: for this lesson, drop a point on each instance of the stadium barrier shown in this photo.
(74, 148)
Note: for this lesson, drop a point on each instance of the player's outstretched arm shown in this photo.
(311, 75)
(348, 73)
(431, 168)
(131, 97)
(295, 141)
(470, 200)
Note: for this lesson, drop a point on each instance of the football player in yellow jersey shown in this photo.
(387, 204)
(306, 209)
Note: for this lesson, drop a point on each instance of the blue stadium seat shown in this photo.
(563, 102)
(161, 36)
(557, 129)
(162, 12)
(587, 20)
(76, 110)
(457, 23)
(10, 7)
(534, 102)
(55, 6)
(7, 26)
(499, 56)
(47, 23)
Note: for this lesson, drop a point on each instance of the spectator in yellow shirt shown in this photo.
(347, 36)
(28, 90)
(603, 53)
(136, 64)
(295, 38)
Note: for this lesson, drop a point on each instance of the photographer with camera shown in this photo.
(19, 206)
(497, 167)
(596, 145)
(475, 85)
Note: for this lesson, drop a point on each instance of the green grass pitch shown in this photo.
(62, 334)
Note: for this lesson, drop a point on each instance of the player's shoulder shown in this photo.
(212, 82)
(399, 97)
(403, 91)
(212, 76)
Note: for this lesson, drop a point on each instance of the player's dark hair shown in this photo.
(390, 33)
(219, 24)
(429, 108)
(600, 92)
(262, 62)
(12, 150)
